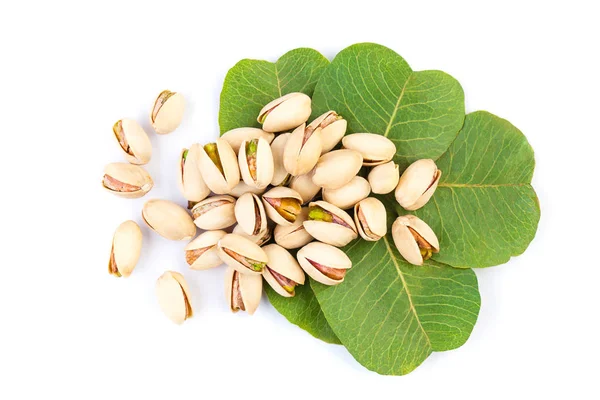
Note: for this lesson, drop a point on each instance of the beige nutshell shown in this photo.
(333, 128)
(324, 263)
(374, 149)
(282, 272)
(348, 195)
(302, 150)
(293, 236)
(125, 250)
(242, 254)
(133, 141)
(219, 166)
(167, 112)
(250, 214)
(189, 178)
(256, 163)
(280, 175)
(241, 188)
(173, 296)
(216, 212)
(414, 239)
(305, 187)
(168, 219)
(330, 224)
(126, 180)
(371, 219)
(417, 184)
(259, 239)
(242, 291)
(201, 253)
(337, 168)
(236, 136)
(282, 205)
(384, 178)
(286, 112)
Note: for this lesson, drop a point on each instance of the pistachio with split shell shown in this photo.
(125, 250)
(215, 212)
(305, 187)
(167, 112)
(219, 166)
(384, 178)
(189, 178)
(375, 149)
(348, 195)
(256, 162)
(285, 113)
(337, 168)
(250, 214)
(414, 239)
(282, 205)
(330, 224)
(173, 296)
(241, 188)
(133, 140)
(293, 236)
(201, 253)
(333, 128)
(242, 291)
(324, 263)
(126, 180)
(259, 239)
(371, 219)
(280, 175)
(282, 272)
(168, 219)
(417, 184)
(242, 254)
(236, 136)
(302, 150)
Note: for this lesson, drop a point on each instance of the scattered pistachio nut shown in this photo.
(384, 178)
(167, 112)
(330, 224)
(417, 184)
(133, 141)
(302, 150)
(348, 195)
(219, 166)
(173, 296)
(259, 239)
(371, 219)
(285, 113)
(189, 178)
(125, 250)
(256, 163)
(235, 137)
(250, 214)
(282, 272)
(305, 187)
(216, 212)
(282, 205)
(242, 291)
(324, 263)
(241, 188)
(280, 175)
(201, 253)
(242, 254)
(374, 149)
(333, 128)
(293, 236)
(126, 180)
(337, 168)
(168, 219)
(414, 239)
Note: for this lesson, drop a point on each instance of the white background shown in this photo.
(70, 70)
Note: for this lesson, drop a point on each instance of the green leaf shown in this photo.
(251, 84)
(484, 209)
(376, 91)
(303, 310)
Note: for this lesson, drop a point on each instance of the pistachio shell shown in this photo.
(301, 154)
(333, 128)
(281, 262)
(280, 175)
(305, 187)
(348, 195)
(189, 178)
(248, 291)
(217, 181)
(125, 250)
(371, 219)
(375, 149)
(405, 240)
(417, 184)
(174, 296)
(168, 219)
(167, 112)
(260, 239)
(215, 212)
(126, 180)
(235, 137)
(244, 248)
(324, 255)
(261, 163)
(293, 236)
(336, 234)
(337, 168)
(133, 141)
(384, 178)
(250, 214)
(280, 192)
(285, 113)
(241, 188)
(201, 253)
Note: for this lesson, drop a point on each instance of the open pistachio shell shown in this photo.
(189, 178)
(235, 137)
(333, 128)
(282, 205)
(242, 254)
(282, 272)
(173, 296)
(167, 112)
(305, 187)
(337, 168)
(348, 195)
(168, 219)
(215, 212)
(256, 163)
(133, 141)
(219, 166)
(375, 149)
(417, 184)
(371, 219)
(280, 175)
(125, 250)
(259, 239)
(250, 214)
(126, 180)
(324, 263)
(330, 224)
(302, 150)
(242, 291)
(285, 113)
(241, 188)
(201, 253)
(414, 239)
(384, 178)
(293, 236)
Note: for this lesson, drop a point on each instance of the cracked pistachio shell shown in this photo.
(375, 149)
(260, 239)
(220, 180)
(250, 214)
(285, 113)
(261, 164)
(133, 141)
(241, 188)
(405, 241)
(201, 253)
(244, 248)
(168, 219)
(280, 175)
(300, 154)
(242, 291)
(126, 180)
(333, 128)
(305, 187)
(348, 195)
(384, 178)
(284, 264)
(281, 193)
(216, 212)
(335, 261)
(417, 184)
(337, 168)
(371, 219)
(236, 136)
(338, 233)
(125, 250)
(173, 296)
(293, 236)
(189, 178)
(167, 112)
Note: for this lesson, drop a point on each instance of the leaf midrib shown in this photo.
(482, 185)
(396, 107)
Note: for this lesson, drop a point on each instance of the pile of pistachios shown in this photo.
(289, 182)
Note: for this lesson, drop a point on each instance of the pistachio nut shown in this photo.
(330, 224)
(173, 296)
(242, 291)
(256, 163)
(417, 184)
(375, 149)
(285, 113)
(337, 168)
(282, 205)
(293, 236)
(167, 112)
(126, 180)
(282, 272)
(125, 250)
(324, 263)
(189, 178)
(348, 195)
(414, 239)
(280, 175)
(133, 140)
(241, 188)
(250, 214)
(371, 219)
(384, 178)
(236, 136)
(242, 254)
(302, 150)
(305, 187)
(260, 239)
(201, 253)
(168, 219)
(333, 128)
(219, 166)
(215, 212)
